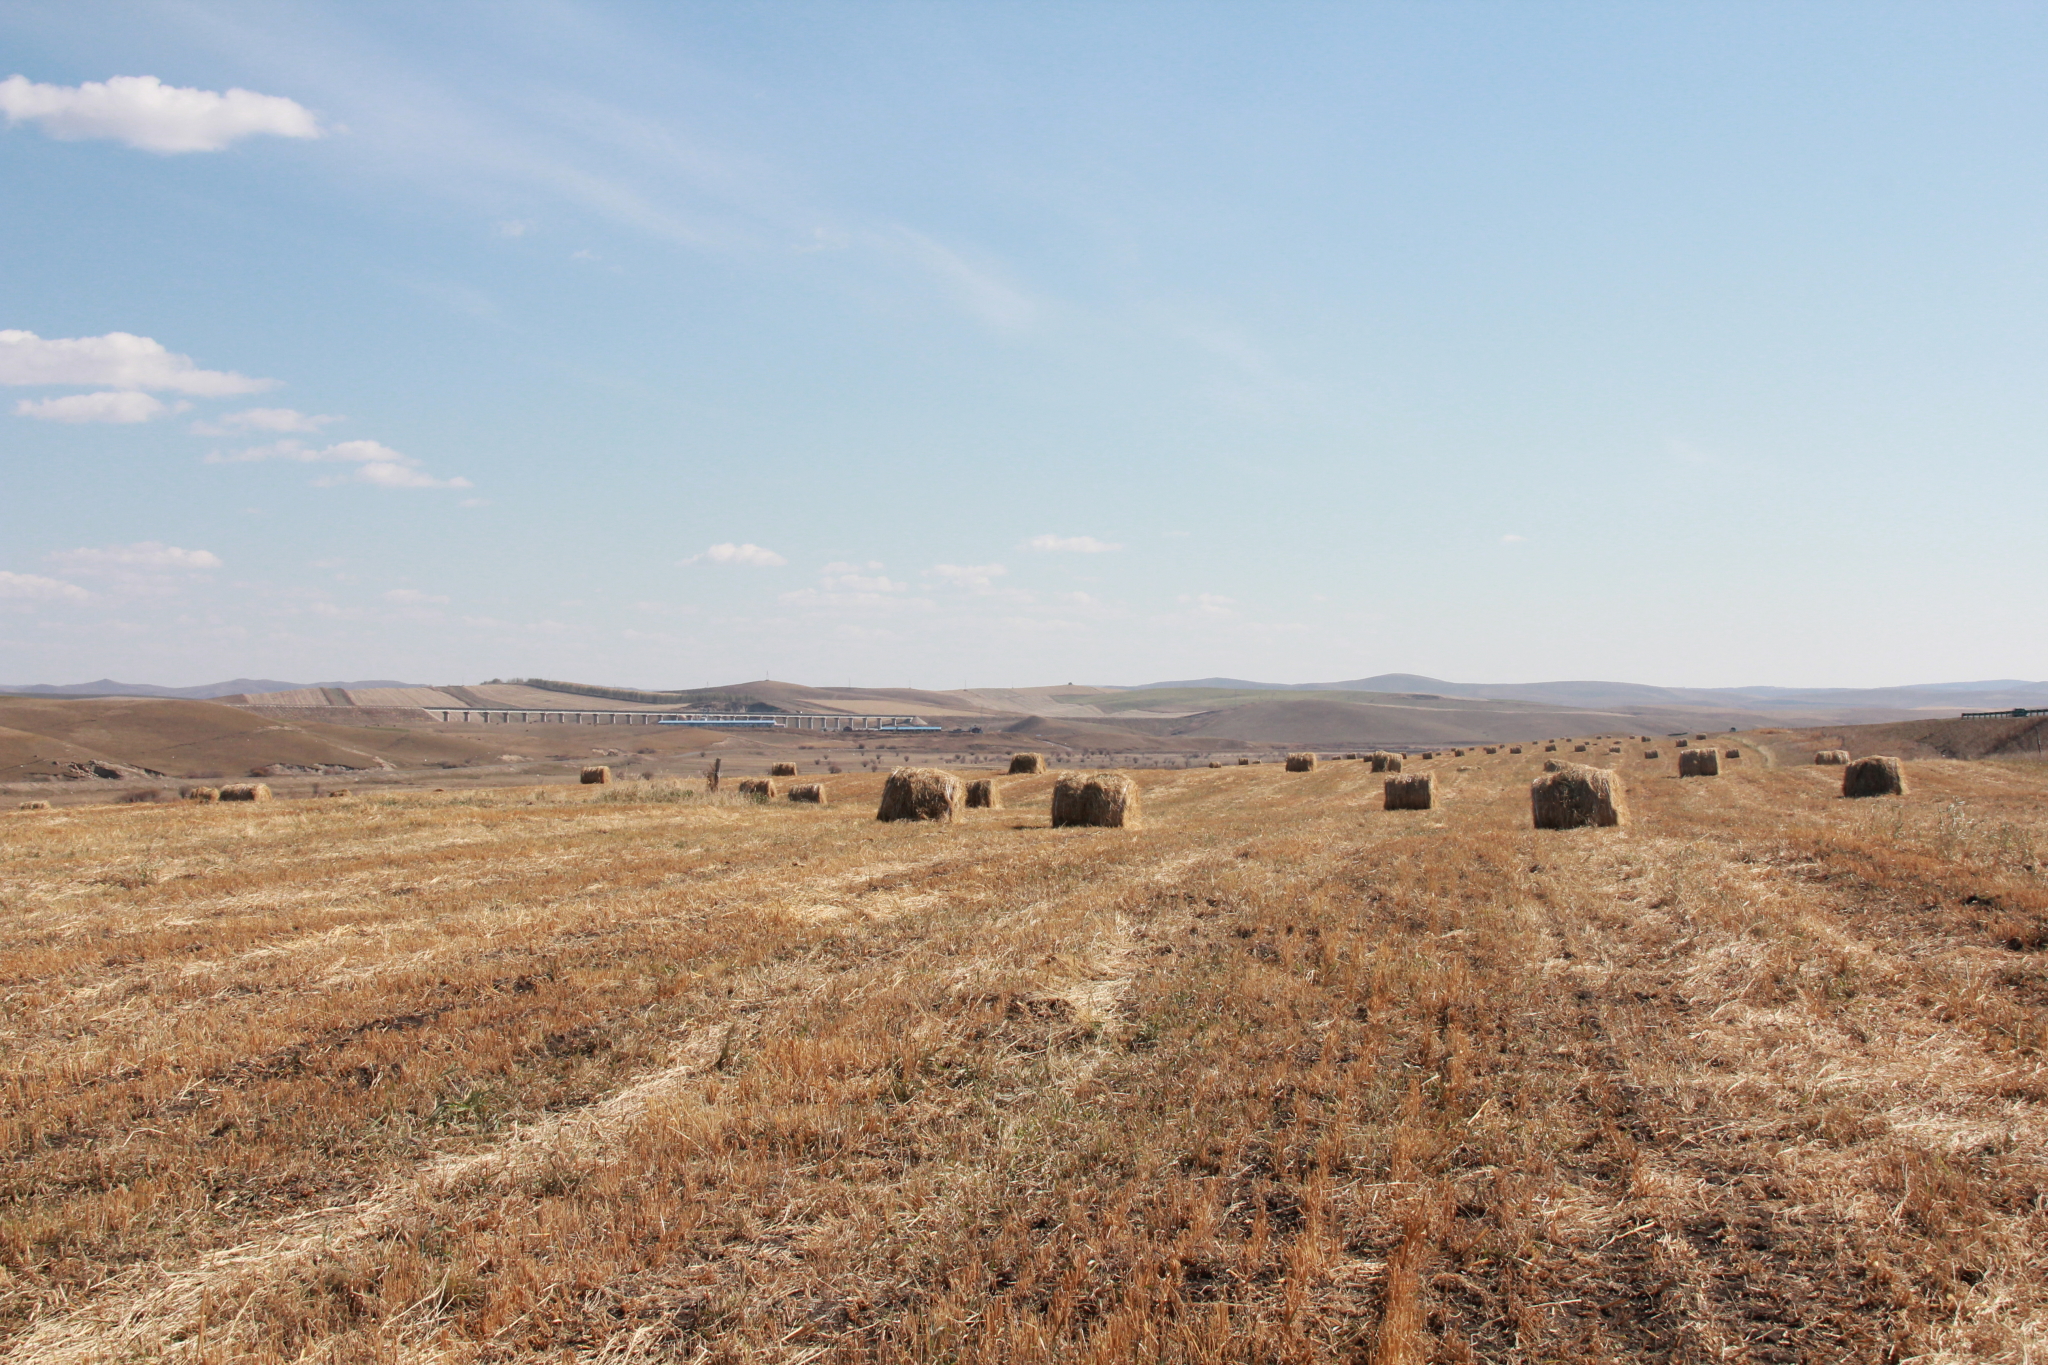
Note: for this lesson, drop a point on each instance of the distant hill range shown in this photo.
(1994, 695)
(107, 687)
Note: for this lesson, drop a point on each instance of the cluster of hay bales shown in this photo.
(1301, 763)
(810, 792)
(1877, 775)
(201, 793)
(982, 795)
(1699, 763)
(759, 788)
(782, 770)
(1576, 796)
(1106, 800)
(245, 791)
(1032, 763)
(1831, 758)
(924, 794)
(1411, 791)
(33, 805)
(596, 776)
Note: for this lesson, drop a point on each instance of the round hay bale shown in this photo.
(1027, 763)
(597, 776)
(1831, 758)
(1104, 800)
(759, 788)
(1576, 796)
(1301, 763)
(1411, 791)
(1699, 763)
(33, 805)
(982, 795)
(782, 770)
(810, 793)
(924, 794)
(245, 791)
(202, 793)
(1214, 764)
(1878, 775)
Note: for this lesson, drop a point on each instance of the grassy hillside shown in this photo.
(1278, 1077)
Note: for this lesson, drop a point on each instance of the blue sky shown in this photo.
(979, 344)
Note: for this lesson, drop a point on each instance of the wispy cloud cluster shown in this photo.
(146, 555)
(33, 587)
(107, 406)
(145, 113)
(973, 576)
(374, 463)
(1079, 545)
(118, 360)
(750, 554)
(262, 419)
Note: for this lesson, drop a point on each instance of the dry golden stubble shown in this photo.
(974, 1110)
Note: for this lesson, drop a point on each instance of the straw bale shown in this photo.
(811, 792)
(1551, 765)
(33, 805)
(1108, 800)
(1514, 748)
(339, 791)
(1411, 791)
(1683, 743)
(1386, 763)
(782, 770)
(1732, 753)
(1550, 748)
(1653, 753)
(1301, 763)
(1878, 775)
(923, 794)
(760, 788)
(1027, 763)
(1578, 748)
(202, 793)
(1699, 763)
(1576, 795)
(982, 794)
(1493, 750)
(1244, 763)
(1831, 758)
(1214, 764)
(1457, 753)
(245, 791)
(597, 776)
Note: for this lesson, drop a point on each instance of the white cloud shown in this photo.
(36, 588)
(116, 407)
(375, 463)
(859, 582)
(118, 360)
(413, 597)
(149, 556)
(514, 227)
(1080, 545)
(980, 291)
(1512, 539)
(263, 419)
(1208, 604)
(750, 554)
(145, 113)
(968, 575)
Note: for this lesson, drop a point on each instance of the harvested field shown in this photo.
(630, 1072)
